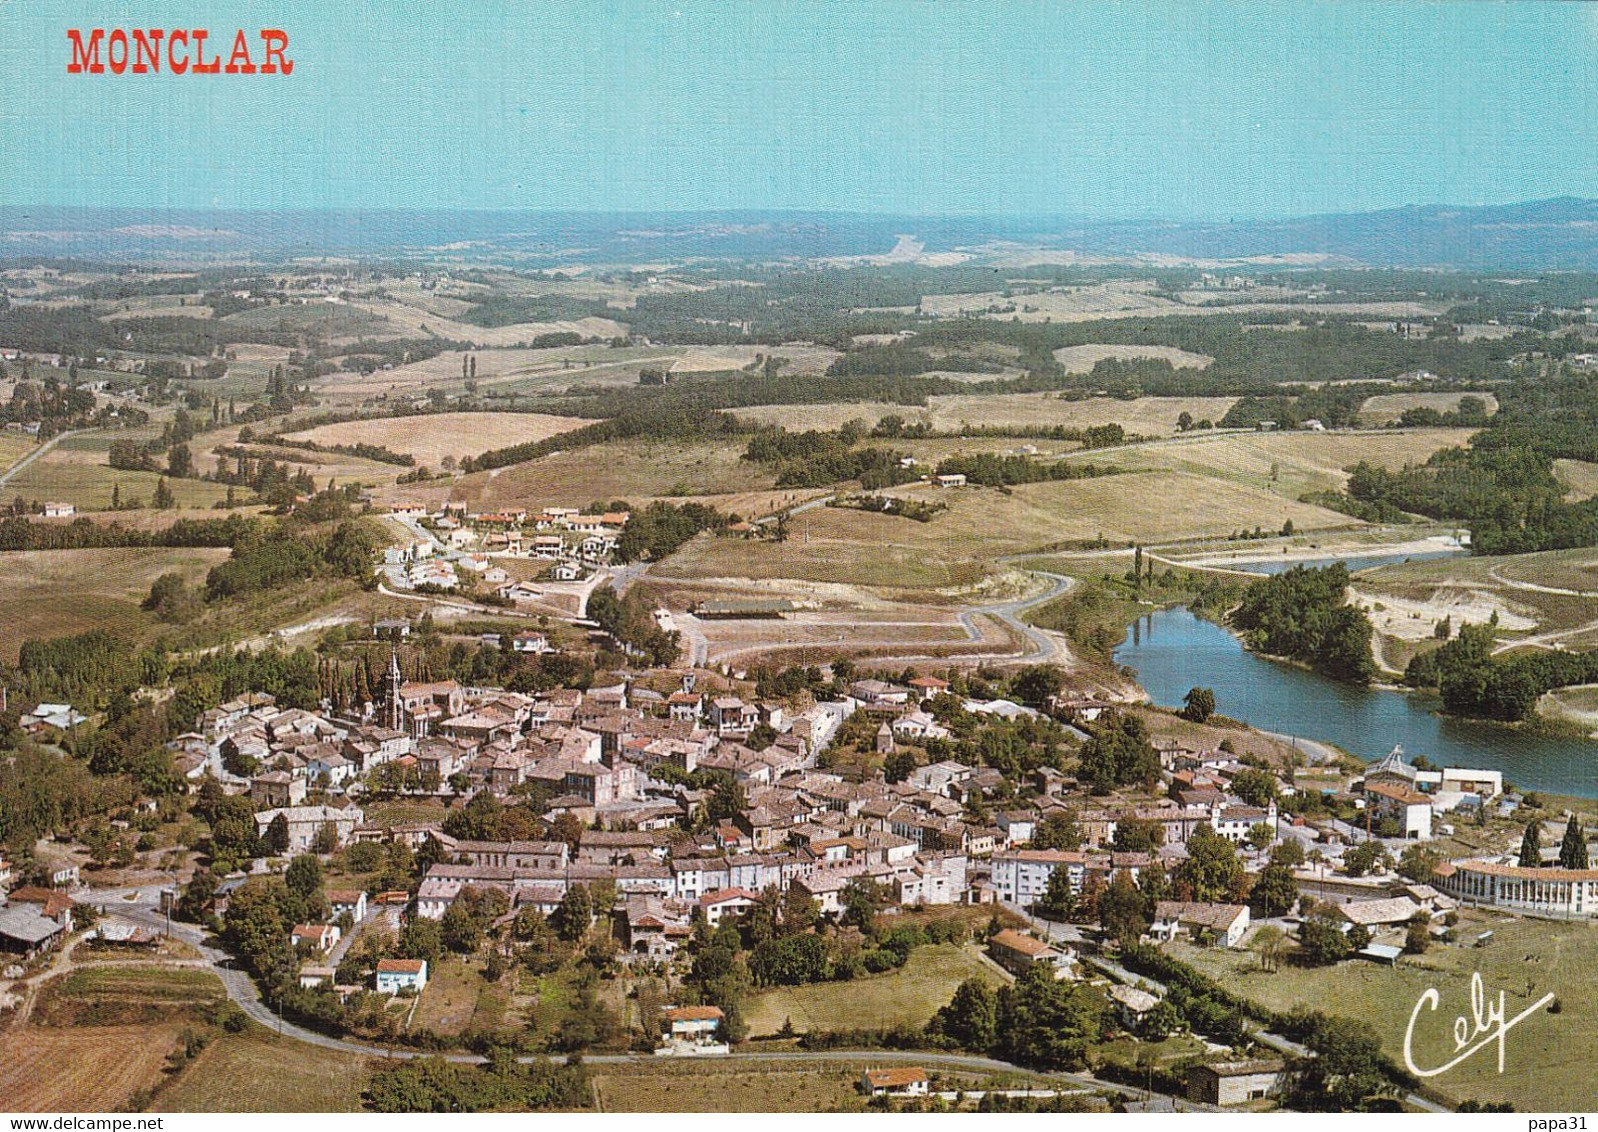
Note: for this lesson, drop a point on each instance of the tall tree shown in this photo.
(1573, 849)
(1058, 902)
(970, 1018)
(1198, 705)
(1212, 871)
(1531, 846)
(1123, 910)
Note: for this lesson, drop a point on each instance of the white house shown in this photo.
(318, 937)
(395, 975)
(1409, 810)
(530, 642)
(351, 900)
(692, 1030)
(1226, 923)
(725, 902)
(906, 1081)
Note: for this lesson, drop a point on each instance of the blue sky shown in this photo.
(1192, 110)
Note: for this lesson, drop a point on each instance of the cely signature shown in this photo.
(1486, 1025)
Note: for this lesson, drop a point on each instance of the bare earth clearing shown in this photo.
(432, 437)
(1082, 359)
(1385, 408)
(1147, 416)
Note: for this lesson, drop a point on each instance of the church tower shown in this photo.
(391, 694)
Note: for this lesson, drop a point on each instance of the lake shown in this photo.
(1173, 650)
(1355, 563)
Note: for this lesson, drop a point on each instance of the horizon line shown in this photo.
(527, 210)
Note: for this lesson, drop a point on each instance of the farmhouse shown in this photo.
(34, 920)
(1019, 953)
(692, 1029)
(395, 975)
(725, 902)
(1234, 1082)
(317, 937)
(305, 822)
(1224, 923)
(908, 1081)
(351, 901)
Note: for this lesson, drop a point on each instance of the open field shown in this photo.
(503, 371)
(256, 1072)
(430, 438)
(324, 466)
(1577, 704)
(635, 471)
(1546, 1056)
(1302, 461)
(80, 1069)
(1579, 477)
(47, 593)
(1082, 359)
(329, 320)
(76, 472)
(720, 359)
(869, 628)
(14, 446)
(153, 306)
(1135, 298)
(957, 547)
(1385, 408)
(1146, 416)
(908, 996)
(458, 999)
(407, 320)
(724, 1087)
(141, 981)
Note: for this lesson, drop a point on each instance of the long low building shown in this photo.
(1541, 891)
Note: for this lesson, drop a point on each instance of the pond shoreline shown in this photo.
(1172, 649)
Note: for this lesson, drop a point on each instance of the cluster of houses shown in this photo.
(32, 919)
(593, 751)
(577, 543)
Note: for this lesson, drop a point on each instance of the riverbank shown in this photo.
(1172, 650)
(1346, 549)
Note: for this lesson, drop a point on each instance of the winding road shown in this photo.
(1043, 646)
(243, 991)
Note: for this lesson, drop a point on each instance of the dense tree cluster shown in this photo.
(1303, 614)
(993, 470)
(661, 528)
(432, 1084)
(1473, 682)
(1118, 754)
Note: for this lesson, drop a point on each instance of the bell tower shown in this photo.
(391, 694)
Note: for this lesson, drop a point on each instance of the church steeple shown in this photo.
(391, 693)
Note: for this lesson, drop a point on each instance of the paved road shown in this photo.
(1045, 647)
(5, 477)
(1042, 646)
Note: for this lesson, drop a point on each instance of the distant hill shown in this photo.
(1557, 234)
(1561, 233)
